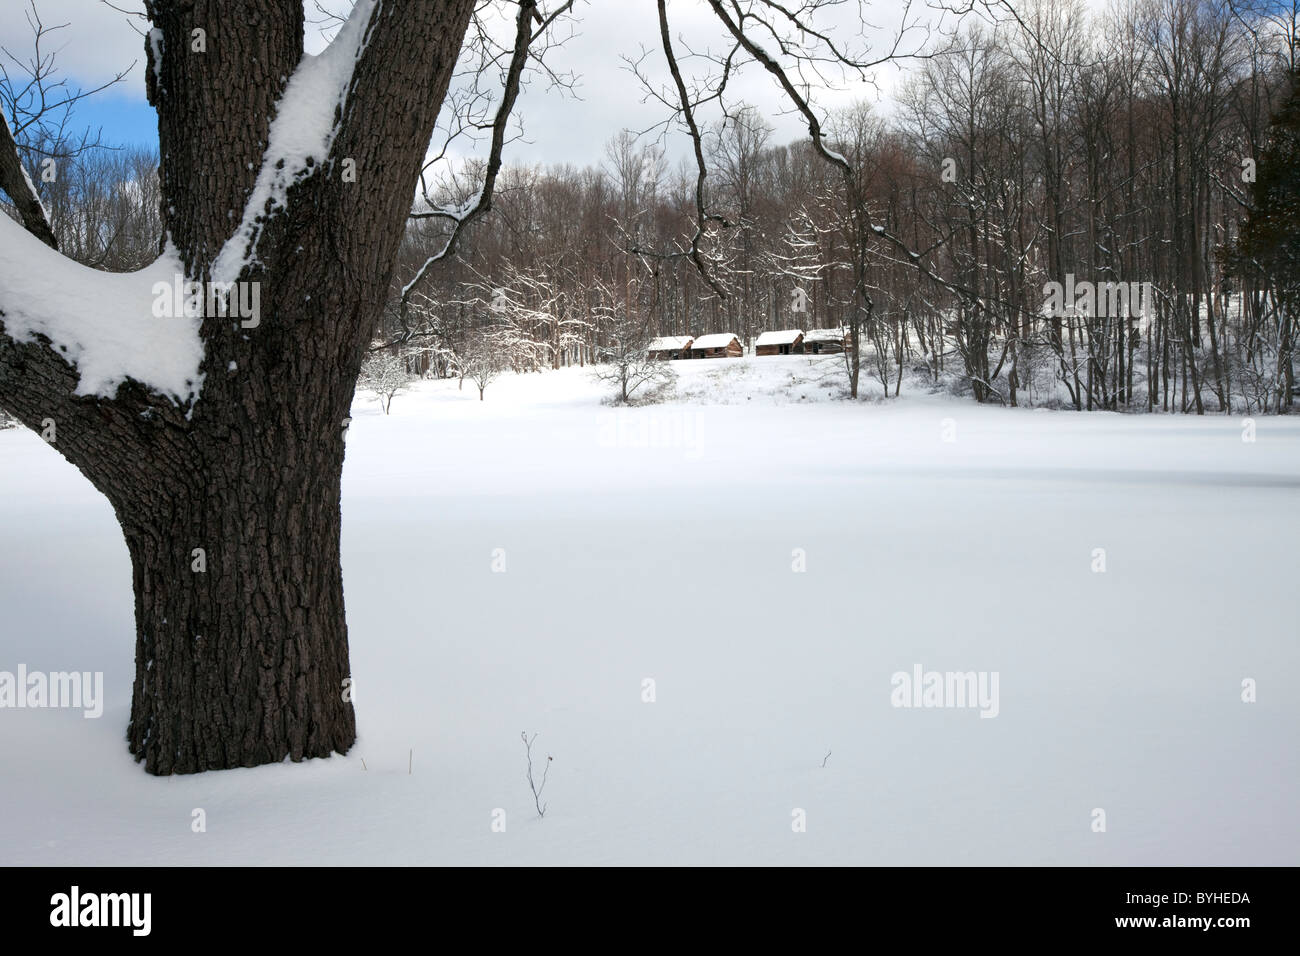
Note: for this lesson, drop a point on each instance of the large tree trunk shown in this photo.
(242, 650)
(233, 530)
(241, 641)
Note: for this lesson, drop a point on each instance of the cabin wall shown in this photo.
(790, 348)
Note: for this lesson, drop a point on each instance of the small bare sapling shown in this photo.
(532, 784)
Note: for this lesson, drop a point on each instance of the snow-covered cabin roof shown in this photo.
(719, 340)
(783, 337)
(670, 343)
(825, 335)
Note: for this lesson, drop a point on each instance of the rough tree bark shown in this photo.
(243, 663)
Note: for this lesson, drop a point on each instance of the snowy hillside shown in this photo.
(528, 562)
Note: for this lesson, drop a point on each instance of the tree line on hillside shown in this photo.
(1155, 145)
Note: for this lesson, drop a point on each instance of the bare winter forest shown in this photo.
(1155, 144)
(1149, 145)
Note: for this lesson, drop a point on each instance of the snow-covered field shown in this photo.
(659, 543)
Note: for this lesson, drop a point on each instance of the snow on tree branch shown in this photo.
(102, 323)
(19, 187)
(300, 136)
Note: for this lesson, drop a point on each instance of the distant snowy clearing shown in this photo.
(659, 543)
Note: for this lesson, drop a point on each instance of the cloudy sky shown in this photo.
(99, 41)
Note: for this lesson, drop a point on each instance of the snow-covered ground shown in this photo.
(659, 543)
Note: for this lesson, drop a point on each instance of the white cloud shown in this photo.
(99, 41)
(96, 44)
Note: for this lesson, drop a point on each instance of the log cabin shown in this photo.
(669, 347)
(720, 345)
(786, 342)
(825, 341)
